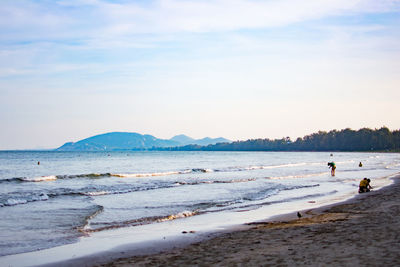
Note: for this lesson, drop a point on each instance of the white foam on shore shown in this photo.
(18, 200)
(15, 201)
(139, 175)
(40, 179)
(183, 214)
(99, 193)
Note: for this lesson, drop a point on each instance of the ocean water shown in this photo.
(72, 195)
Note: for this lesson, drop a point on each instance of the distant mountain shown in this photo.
(133, 141)
(117, 141)
(183, 139)
(186, 140)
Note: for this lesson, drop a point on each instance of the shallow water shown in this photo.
(72, 194)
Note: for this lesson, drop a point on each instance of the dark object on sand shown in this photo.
(360, 165)
(299, 215)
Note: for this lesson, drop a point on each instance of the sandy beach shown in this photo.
(364, 231)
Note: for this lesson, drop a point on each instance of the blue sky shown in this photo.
(237, 69)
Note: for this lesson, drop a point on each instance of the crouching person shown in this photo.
(365, 186)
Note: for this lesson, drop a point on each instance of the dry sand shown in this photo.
(362, 232)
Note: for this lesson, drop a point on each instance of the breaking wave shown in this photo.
(39, 179)
(25, 197)
(179, 215)
(152, 174)
(18, 199)
(136, 222)
(246, 201)
(55, 177)
(138, 175)
(215, 181)
(102, 175)
(96, 210)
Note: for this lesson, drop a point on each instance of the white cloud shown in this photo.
(222, 15)
(90, 18)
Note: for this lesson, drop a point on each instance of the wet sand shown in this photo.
(364, 231)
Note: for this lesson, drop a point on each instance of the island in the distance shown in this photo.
(116, 141)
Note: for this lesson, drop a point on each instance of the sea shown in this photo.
(50, 199)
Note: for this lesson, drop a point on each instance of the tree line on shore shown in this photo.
(347, 139)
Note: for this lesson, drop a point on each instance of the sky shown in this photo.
(71, 69)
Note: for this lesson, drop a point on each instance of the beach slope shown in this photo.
(362, 232)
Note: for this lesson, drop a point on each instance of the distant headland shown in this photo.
(364, 139)
(116, 141)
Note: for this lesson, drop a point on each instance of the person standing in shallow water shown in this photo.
(332, 165)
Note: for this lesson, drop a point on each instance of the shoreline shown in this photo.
(361, 231)
(104, 251)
